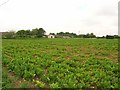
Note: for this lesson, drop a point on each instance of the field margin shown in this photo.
(0, 61)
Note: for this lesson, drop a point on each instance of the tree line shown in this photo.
(40, 32)
(34, 33)
(88, 35)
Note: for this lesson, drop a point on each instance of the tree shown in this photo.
(8, 35)
(21, 33)
(66, 34)
(52, 33)
(28, 32)
(91, 35)
(116, 36)
(41, 32)
(60, 33)
(109, 37)
(81, 36)
(38, 32)
(34, 32)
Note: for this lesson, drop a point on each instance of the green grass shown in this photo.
(63, 63)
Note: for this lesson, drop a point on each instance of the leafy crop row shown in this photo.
(63, 63)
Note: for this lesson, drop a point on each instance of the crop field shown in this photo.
(60, 63)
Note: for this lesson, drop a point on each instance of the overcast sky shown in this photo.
(78, 16)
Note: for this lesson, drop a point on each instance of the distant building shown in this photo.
(66, 37)
(51, 36)
(63, 36)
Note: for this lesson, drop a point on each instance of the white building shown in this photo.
(51, 36)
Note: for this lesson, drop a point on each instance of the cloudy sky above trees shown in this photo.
(78, 16)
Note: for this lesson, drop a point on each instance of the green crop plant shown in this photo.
(63, 63)
(39, 83)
